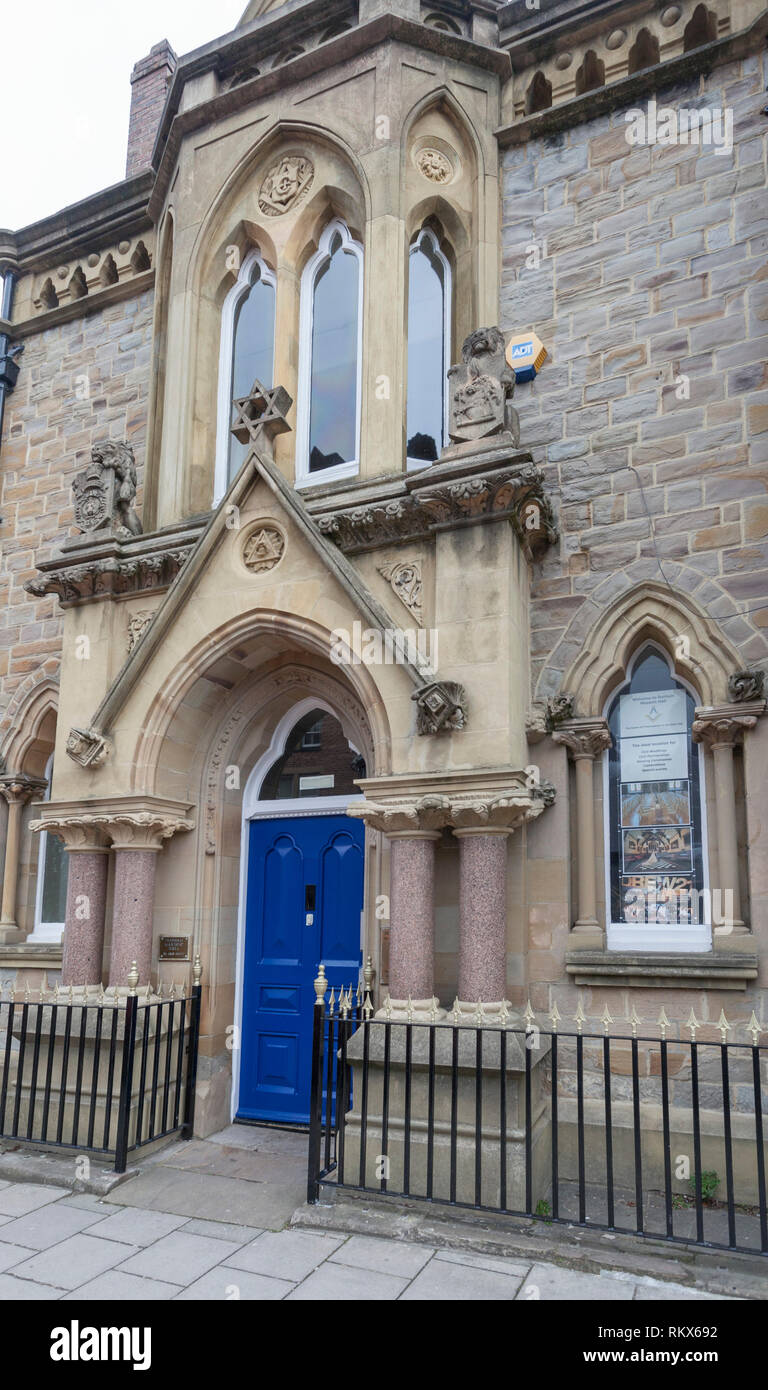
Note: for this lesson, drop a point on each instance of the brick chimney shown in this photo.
(149, 84)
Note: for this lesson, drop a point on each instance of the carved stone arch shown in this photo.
(443, 96)
(30, 741)
(230, 252)
(227, 644)
(326, 204)
(651, 612)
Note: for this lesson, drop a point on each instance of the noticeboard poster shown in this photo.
(663, 757)
(656, 712)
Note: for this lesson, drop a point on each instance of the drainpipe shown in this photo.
(9, 367)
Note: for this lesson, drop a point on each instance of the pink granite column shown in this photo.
(412, 915)
(482, 914)
(132, 914)
(83, 944)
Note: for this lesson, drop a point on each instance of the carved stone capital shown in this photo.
(584, 738)
(77, 832)
(724, 726)
(121, 822)
(494, 815)
(442, 707)
(424, 816)
(145, 830)
(19, 788)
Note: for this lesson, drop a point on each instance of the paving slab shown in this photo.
(333, 1283)
(115, 1286)
(24, 1290)
(235, 1200)
(20, 1197)
(441, 1281)
(226, 1284)
(11, 1255)
(227, 1161)
(516, 1268)
(288, 1255)
(87, 1201)
(48, 1225)
(136, 1227)
(553, 1282)
(74, 1262)
(264, 1139)
(178, 1258)
(384, 1256)
(223, 1230)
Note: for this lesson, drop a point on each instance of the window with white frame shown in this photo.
(330, 359)
(52, 872)
(657, 881)
(429, 348)
(247, 354)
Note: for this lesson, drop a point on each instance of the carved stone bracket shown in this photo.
(442, 707)
(87, 747)
(559, 709)
(109, 575)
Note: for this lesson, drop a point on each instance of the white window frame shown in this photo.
(303, 477)
(239, 291)
(51, 932)
(650, 937)
(254, 809)
(427, 234)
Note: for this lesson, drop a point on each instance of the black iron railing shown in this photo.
(657, 1137)
(104, 1077)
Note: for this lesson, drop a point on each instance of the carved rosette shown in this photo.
(584, 738)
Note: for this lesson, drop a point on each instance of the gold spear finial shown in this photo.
(723, 1025)
(529, 1016)
(332, 1002)
(580, 1017)
(344, 1004)
(754, 1028)
(606, 1020)
(555, 1016)
(503, 1014)
(692, 1023)
(635, 1021)
(663, 1024)
(388, 1006)
(367, 1007)
(456, 1011)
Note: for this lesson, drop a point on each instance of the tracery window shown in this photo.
(656, 850)
(429, 348)
(247, 355)
(330, 363)
(52, 873)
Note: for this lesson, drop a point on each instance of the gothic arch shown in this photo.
(651, 612)
(29, 743)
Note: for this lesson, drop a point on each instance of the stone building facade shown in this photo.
(559, 792)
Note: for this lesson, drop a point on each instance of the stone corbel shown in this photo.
(441, 707)
(87, 747)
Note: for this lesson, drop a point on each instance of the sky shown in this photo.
(65, 72)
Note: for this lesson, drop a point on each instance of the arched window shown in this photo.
(317, 760)
(247, 354)
(429, 348)
(657, 880)
(52, 872)
(330, 359)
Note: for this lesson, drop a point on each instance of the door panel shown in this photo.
(304, 899)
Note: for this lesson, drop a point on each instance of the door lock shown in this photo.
(309, 904)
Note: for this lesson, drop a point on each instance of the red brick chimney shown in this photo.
(149, 83)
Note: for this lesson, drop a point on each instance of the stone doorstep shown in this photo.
(572, 1247)
(19, 1163)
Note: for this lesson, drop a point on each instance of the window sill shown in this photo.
(43, 955)
(657, 970)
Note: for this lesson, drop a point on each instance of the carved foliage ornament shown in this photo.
(746, 685)
(137, 626)
(405, 578)
(104, 492)
(434, 165)
(287, 182)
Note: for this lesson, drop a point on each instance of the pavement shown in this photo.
(223, 1219)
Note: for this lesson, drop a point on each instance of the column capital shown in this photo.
(724, 726)
(494, 815)
(18, 787)
(584, 738)
(419, 817)
(127, 822)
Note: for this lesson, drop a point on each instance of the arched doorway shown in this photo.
(301, 899)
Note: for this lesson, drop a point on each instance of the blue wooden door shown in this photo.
(304, 899)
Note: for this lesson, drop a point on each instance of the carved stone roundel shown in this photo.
(286, 183)
(263, 549)
(434, 165)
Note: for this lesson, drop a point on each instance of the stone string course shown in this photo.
(47, 438)
(652, 267)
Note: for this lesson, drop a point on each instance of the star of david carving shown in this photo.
(262, 412)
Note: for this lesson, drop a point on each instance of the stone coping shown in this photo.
(444, 1031)
(42, 955)
(661, 970)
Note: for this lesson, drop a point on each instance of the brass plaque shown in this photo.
(174, 948)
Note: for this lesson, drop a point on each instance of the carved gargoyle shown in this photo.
(104, 492)
(481, 390)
